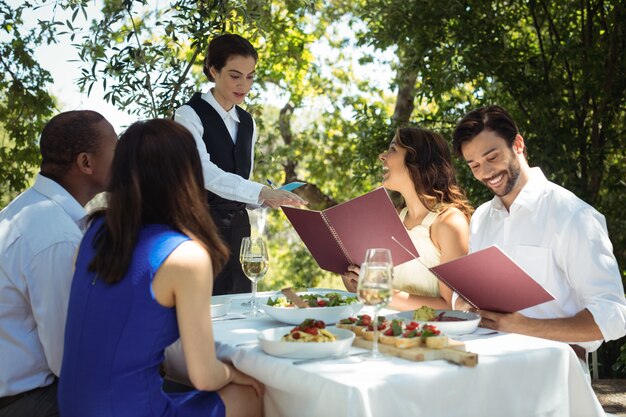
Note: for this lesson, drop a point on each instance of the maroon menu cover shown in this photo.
(488, 279)
(339, 236)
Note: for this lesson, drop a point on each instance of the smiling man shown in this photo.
(560, 240)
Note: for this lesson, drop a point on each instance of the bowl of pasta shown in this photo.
(329, 307)
(309, 339)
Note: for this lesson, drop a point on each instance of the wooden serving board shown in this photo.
(454, 352)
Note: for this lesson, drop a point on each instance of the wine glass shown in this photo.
(249, 302)
(374, 289)
(261, 219)
(378, 255)
(254, 262)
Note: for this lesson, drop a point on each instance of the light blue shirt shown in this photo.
(39, 235)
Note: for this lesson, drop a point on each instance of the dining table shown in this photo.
(516, 375)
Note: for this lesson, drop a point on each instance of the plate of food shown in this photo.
(309, 339)
(448, 321)
(329, 307)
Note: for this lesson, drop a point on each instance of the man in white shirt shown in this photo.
(39, 234)
(560, 240)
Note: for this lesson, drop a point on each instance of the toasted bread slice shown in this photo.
(368, 334)
(407, 342)
(387, 340)
(437, 342)
(393, 330)
(347, 323)
(359, 330)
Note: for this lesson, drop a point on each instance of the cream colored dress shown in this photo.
(413, 277)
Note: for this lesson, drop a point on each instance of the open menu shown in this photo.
(488, 279)
(340, 235)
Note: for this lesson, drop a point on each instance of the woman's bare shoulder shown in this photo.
(188, 255)
(451, 221)
(452, 216)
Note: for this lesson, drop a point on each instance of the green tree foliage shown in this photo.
(558, 67)
(25, 104)
(153, 64)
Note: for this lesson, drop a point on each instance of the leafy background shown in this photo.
(323, 102)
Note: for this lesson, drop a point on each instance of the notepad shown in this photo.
(339, 236)
(292, 186)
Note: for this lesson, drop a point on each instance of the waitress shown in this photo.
(225, 135)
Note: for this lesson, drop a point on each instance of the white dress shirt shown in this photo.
(225, 184)
(563, 243)
(39, 237)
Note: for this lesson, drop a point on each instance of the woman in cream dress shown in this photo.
(435, 213)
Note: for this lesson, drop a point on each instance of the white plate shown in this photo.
(271, 343)
(219, 309)
(448, 327)
(295, 315)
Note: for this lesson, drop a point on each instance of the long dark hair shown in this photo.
(430, 166)
(156, 177)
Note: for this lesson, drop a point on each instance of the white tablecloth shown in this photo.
(515, 376)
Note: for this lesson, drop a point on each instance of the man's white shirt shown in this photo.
(563, 243)
(40, 232)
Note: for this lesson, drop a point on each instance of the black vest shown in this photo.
(229, 156)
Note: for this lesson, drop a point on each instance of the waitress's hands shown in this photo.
(351, 278)
(276, 198)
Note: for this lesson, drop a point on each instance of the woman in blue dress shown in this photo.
(144, 278)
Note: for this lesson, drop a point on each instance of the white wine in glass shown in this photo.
(249, 302)
(374, 289)
(255, 263)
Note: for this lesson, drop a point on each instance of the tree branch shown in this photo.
(143, 63)
(537, 27)
(405, 100)
(310, 192)
(180, 81)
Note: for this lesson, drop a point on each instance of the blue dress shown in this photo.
(115, 336)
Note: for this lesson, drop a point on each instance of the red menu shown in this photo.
(488, 279)
(339, 236)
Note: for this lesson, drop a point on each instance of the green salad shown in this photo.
(331, 299)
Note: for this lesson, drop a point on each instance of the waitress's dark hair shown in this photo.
(156, 178)
(222, 47)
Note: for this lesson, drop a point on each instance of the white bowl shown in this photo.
(219, 309)
(271, 343)
(467, 325)
(295, 315)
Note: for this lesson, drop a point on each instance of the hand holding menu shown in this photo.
(488, 279)
(339, 236)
